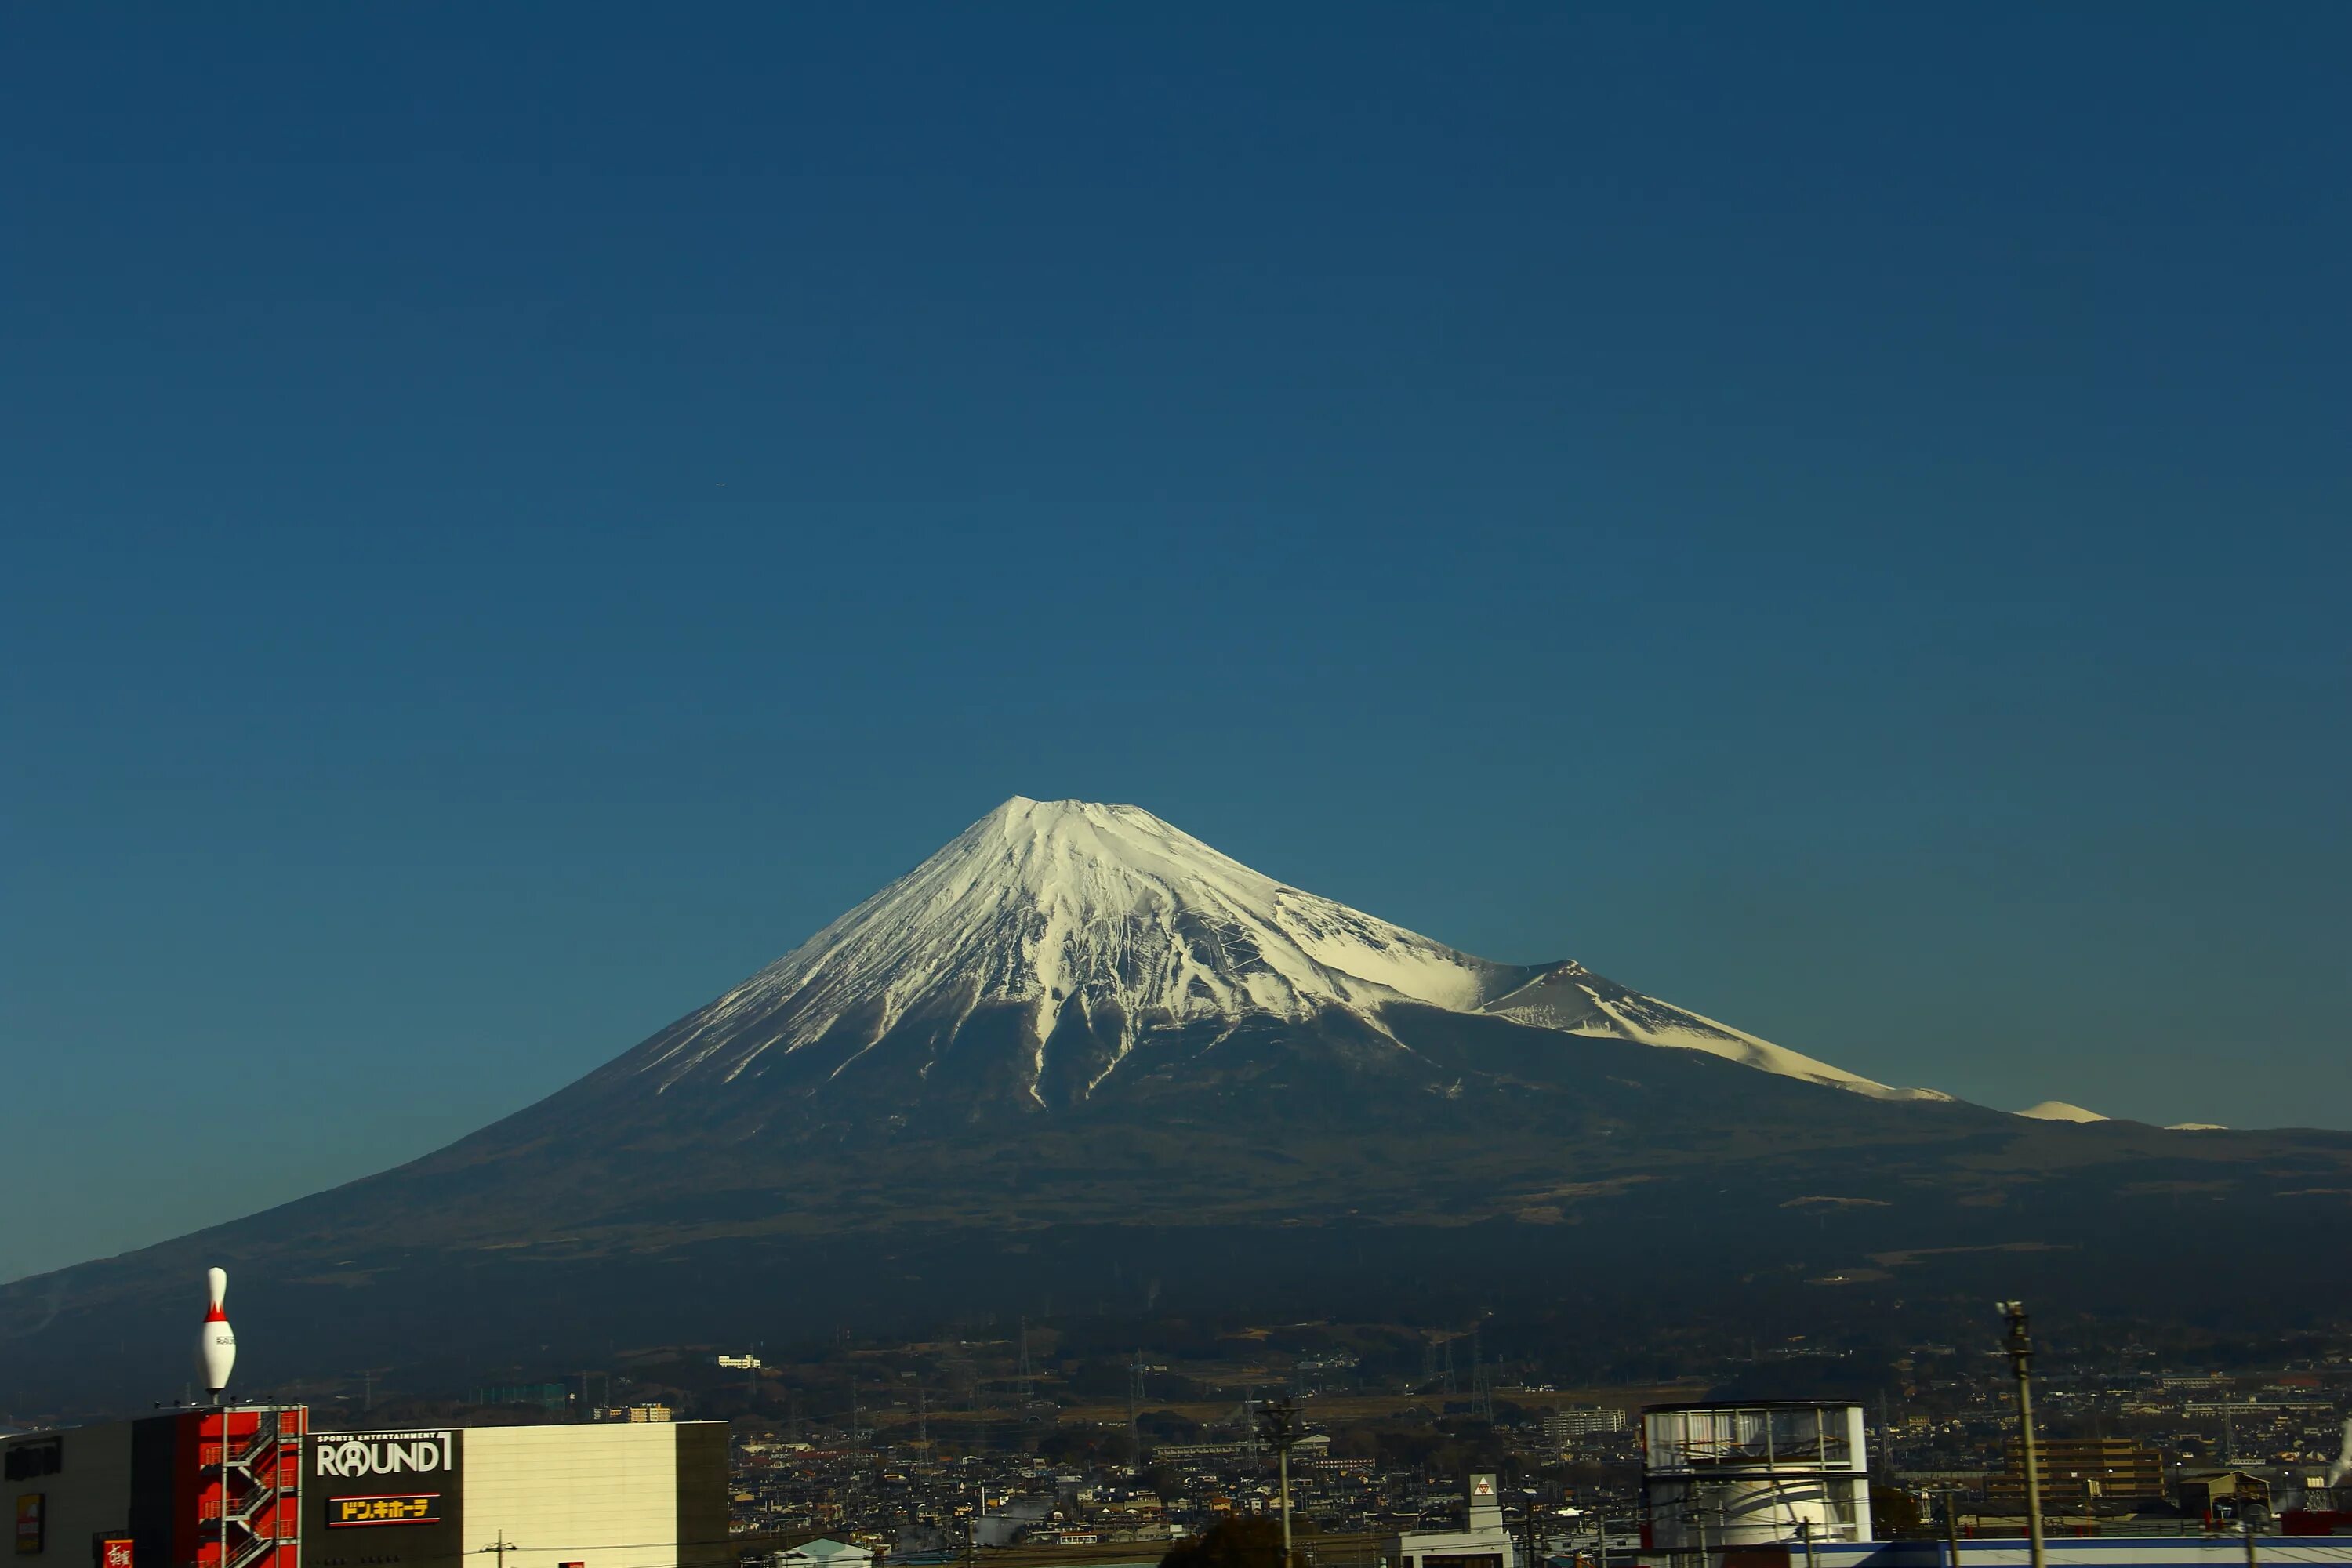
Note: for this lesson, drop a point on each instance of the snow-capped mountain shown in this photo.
(1078, 1054)
(1069, 934)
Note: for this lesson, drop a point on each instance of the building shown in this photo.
(1582, 1421)
(167, 1492)
(1485, 1543)
(1732, 1481)
(2076, 1473)
(648, 1412)
(2087, 1552)
(1018, 1514)
(824, 1553)
(2223, 1495)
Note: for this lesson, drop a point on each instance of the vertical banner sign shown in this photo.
(114, 1551)
(30, 1532)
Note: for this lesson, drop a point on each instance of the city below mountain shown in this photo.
(1079, 1057)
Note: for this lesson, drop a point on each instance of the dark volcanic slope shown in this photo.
(1079, 1058)
(1489, 1150)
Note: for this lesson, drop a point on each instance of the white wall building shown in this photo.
(1485, 1543)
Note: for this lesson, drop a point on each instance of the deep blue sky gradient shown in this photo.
(516, 515)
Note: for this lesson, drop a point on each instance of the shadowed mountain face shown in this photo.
(1078, 1054)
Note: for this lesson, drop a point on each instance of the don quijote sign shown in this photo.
(383, 1454)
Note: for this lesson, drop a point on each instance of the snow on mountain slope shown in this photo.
(2059, 1111)
(1046, 906)
(1571, 997)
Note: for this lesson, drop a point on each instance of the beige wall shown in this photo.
(91, 1493)
(603, 1495)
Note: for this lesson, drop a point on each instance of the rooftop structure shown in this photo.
(1724, 1478)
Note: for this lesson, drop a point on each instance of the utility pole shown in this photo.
(1278, 1424)
(1952, 1527)
(2020, 1360)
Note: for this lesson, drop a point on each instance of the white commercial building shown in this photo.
(1485, 1543)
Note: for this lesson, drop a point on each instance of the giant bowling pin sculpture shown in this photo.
(218, 1346)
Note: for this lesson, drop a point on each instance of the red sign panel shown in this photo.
(114, 1551)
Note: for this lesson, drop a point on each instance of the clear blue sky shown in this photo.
(516, 515)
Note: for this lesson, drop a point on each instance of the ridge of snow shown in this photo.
(2059, 1111)
(1048, 904)
(1570, 998)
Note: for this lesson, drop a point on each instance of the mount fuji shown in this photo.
(1079, 1055)
(1055, 950)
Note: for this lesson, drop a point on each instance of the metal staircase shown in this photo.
(249, 1459)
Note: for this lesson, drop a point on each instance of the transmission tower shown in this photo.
(1135, 1398)
(1482, 1394)
(1023, 1386)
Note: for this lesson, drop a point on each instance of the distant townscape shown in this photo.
(1026, 1445)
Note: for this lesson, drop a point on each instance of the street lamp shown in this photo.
(1278, 1428)
(2019, 1349)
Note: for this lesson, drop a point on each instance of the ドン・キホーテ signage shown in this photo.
(409, 1508)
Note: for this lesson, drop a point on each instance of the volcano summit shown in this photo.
(1057, 948)
(1078, 1053)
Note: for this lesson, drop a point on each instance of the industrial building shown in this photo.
(169, 1492)
(1784, 1485)
(1723, 1480)
(2094, 1552)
